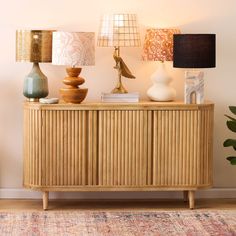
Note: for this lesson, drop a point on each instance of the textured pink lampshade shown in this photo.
(73, 48)
(158, 45)
(119, 30)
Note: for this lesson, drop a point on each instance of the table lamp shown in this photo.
(158, 46)
(34, 46)
(194, 51)
(119, 30)
(73, 49)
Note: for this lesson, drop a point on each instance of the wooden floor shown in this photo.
(120, 205)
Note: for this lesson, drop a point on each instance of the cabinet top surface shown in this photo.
(142, 105)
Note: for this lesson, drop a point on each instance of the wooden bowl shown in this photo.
(73, 72)
(75, 95)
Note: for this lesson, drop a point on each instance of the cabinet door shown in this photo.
(32, 147)
(69, 148)
(182, 148)
(62, 162)
(124, 157)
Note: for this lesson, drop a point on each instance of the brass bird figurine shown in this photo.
(123, 70)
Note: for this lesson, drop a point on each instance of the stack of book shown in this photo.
(120, 97)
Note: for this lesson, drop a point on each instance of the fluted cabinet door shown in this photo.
(182, 148)
(32, 147)
(124, 148)
(61, 148)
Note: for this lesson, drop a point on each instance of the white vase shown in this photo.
(161, 90)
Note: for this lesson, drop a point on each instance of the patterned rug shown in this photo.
(112, 223)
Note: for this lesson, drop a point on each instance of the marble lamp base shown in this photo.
(194, 87)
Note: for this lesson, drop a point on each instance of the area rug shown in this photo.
(112, 223)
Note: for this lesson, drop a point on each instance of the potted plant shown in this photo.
(231, 124)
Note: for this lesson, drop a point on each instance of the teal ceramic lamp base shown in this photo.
(35, 84)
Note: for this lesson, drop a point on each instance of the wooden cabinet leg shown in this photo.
(45, 200)
(191, 199)
(185, 196)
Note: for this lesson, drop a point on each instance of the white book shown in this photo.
(121, 100)
(120, 97)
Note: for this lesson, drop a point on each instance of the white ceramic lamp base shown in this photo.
(160, 90)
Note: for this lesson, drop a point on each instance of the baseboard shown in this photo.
(6, 193)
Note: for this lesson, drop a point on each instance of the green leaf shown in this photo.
(231, 125)
(233, 109)
(232, 160)
(231, 118)
(230, 142)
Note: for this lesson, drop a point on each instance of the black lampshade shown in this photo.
(194, 50)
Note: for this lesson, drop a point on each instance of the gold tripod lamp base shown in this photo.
(73, 93)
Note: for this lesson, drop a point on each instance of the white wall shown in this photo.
(191, 16)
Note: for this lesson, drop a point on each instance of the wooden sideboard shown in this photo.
(146, 146)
